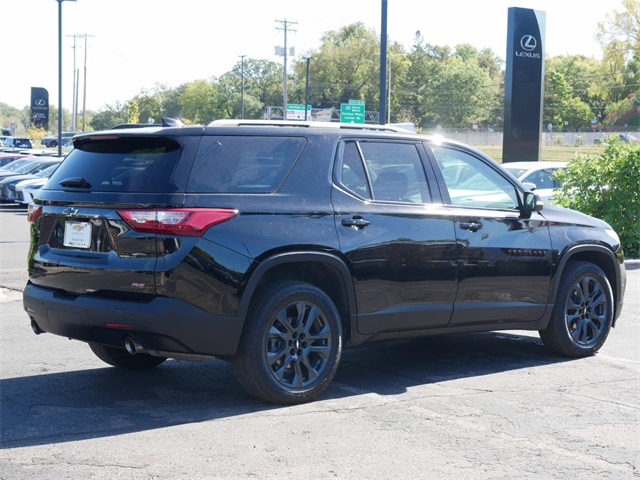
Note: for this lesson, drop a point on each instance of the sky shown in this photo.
(134, 44)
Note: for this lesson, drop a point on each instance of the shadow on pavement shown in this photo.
(61, 407)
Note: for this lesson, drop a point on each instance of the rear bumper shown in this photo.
(162, 324)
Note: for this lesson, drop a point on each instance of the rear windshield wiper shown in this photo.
(75, 182)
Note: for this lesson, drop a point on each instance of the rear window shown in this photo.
(128, 164)
(243, 164)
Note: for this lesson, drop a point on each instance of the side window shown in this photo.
(243, 164)
(396, 172)
(472, 183)
(541, 179)
(351, 172)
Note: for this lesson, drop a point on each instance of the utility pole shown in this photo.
(306, 89)
(242, 74)
(84, 92)
(74, 98)
(76, 83)
(286, 28)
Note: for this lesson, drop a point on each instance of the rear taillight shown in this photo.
(33, 212)
(176, 221)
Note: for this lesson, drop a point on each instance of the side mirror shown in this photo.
(531, 203)
(530, 186)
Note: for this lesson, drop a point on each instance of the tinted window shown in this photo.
(239, 164)
(394, 171)
(126, 164)
(472, 183)
(542, 179)
(352, 174)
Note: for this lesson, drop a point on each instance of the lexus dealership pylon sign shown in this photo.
(524, 85)
(40, 107)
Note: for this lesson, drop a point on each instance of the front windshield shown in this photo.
(27, 167)
(46, 172)
(13, 166)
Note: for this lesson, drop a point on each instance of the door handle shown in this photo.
(356, 222)
(473, 226)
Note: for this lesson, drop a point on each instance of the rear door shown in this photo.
(400, 244)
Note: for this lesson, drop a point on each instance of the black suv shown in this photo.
(275, 245)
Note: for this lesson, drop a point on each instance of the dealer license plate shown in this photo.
(77, 234)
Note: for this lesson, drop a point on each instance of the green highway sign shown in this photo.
(352, 113)
(295, 111)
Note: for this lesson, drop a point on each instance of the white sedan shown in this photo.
(539, 174)
(27, 189)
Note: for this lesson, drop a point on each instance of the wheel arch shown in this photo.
(603, 258)
(322, 269)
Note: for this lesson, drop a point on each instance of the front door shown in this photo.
(505, 259)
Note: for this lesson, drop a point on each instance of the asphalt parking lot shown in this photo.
(485, 406)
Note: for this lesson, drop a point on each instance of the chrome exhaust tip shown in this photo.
(131, 346)
(36, 329)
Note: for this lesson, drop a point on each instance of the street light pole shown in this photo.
(383, 64)
(60, 74)
(306, 90)
(242, 74)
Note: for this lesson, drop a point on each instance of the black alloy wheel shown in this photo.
(291, 345)
(582, 316)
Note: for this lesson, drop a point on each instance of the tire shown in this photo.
(582, 313)
(291, 344)
(118, 357)
(53, 144)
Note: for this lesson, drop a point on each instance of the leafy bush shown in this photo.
(607, 186)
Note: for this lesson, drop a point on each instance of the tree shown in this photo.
(622, 28)
(423, 68)
(461, 96)
(200, 102)
(606, 186)
(35, 134)
(262, 81)
(346, 66)
(133, 111)
(109, 116)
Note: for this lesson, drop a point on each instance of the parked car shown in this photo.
(31, 166)
(8, 184)
(27, 190)
(16, 163)
(628, 138)
(7, 158)
(52, 141)
(538, 175)
(277, 244)
(17, 142)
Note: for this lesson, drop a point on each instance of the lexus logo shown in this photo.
(41, 102)
(528, 43)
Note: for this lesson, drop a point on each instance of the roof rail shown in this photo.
(307, 124)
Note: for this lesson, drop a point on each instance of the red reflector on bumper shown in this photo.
(119, 326)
